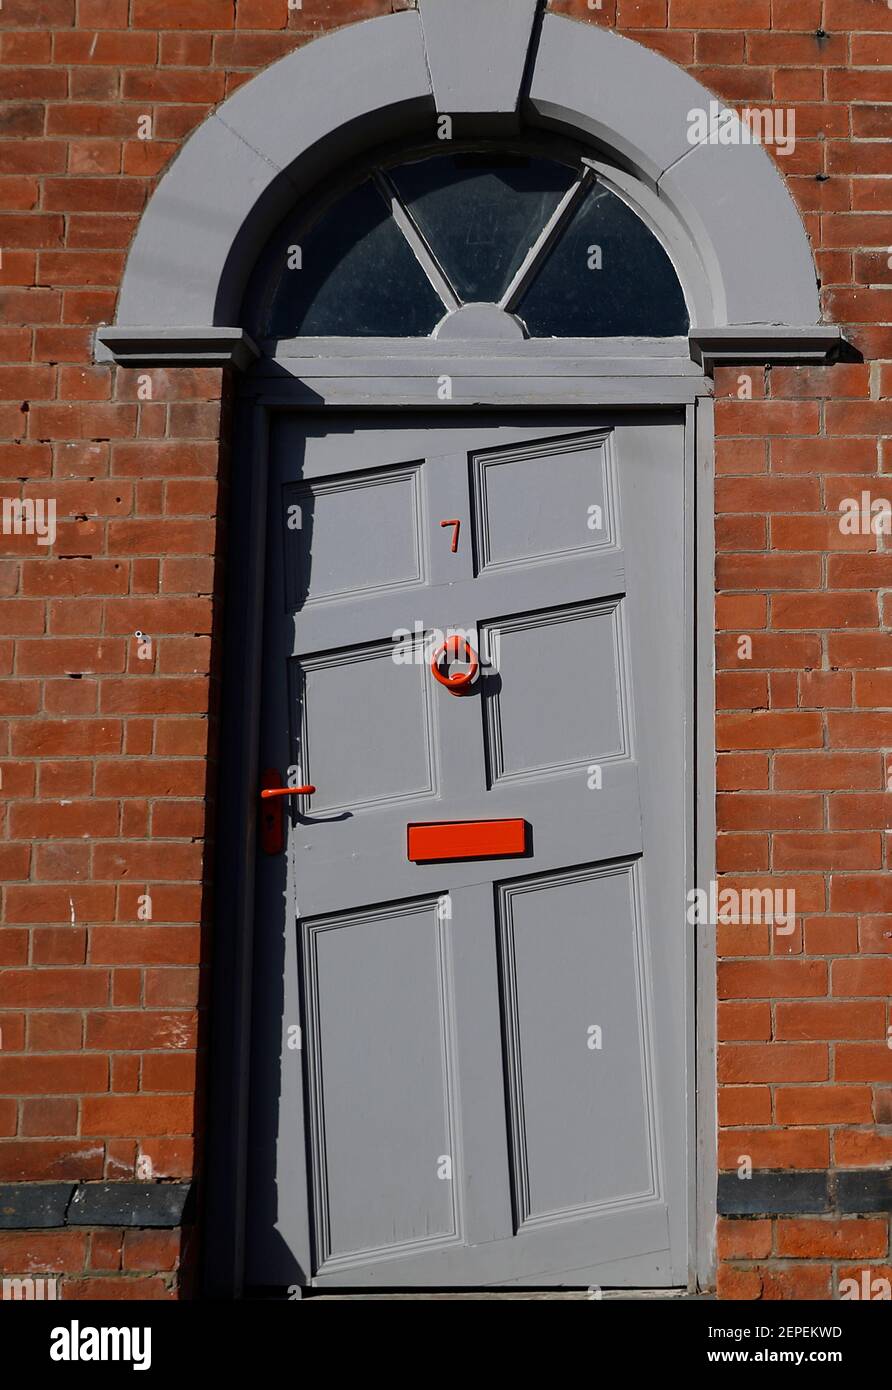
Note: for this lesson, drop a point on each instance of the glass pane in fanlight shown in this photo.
(357, 277)
(606, 276)
(480, 214)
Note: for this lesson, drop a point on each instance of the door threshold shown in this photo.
(539, 1295)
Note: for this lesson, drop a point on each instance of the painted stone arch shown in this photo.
(492, 66)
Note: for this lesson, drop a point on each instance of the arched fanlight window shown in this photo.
(544, 240)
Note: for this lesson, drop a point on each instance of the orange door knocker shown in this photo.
(455, 651)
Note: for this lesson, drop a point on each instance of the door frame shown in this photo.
(553, 379)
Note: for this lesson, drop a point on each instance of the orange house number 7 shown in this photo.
(457, 526)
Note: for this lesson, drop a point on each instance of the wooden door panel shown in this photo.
(491, 1084)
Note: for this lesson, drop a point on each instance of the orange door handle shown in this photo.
(272, 819)
(455, 649)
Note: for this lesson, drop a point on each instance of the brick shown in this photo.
(855, 811)
(825, 689)
(149, 695)
(184, 655)
(747, 1021)
(136, 1115)
(823, 1105)
(743, 1240)
(783, 689)
(740, 612)
(88, 306)
(105, 1250)
(252, 50)
(155, 84)
(873, 688)
(170, 1072)
(793, 1151)
(31, 229)
(133, 1287)
(842, 850)
(742, 771)
(106, 195)
(104, 48)
(25, 47)
(741, 1063)
(140, 1030)
(769, 730)
(780, 1283)
(744, 1105)
(35, 1160)
(66, 988)
(875, 935)
(830, 1020)
(165, 945)
(69, 738)
(858, 1148)
(49, 1116)
(69, 657)
(861, 893)
(21, 119)
(838, 610)
(13, 947)
(177, 904)
(99, 156)
(768, 417)
(152, 1250)
(863, 1062)
(869, 977)
(736, 456)
(59, 945)
(171, 988)
(738, 1284)
(14, 862)
(735, 532)
(742, 938)
(828, 771)
(74, 577)
(768, 572)
(769, 812)
(742, 854)
(778, 979)
(168, 14)
(769, 650)
(62, 861)
(56, 1075)
(74, 616)
(49, 1252)
(859, 730)
(145, 538)
(147, 157)
(70, 697)
(63, 820)
(83, 420)
(831, 1239)
(92, 118)
(170, 1158)
(151, 778)
(741, 690)
(163, 862)
(767, 494)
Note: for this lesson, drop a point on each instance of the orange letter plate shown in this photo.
(466, 839)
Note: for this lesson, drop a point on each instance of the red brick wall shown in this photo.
(89, 1263)
(803, 730)
(104, 756)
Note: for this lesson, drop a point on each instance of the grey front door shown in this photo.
(472, 1070)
